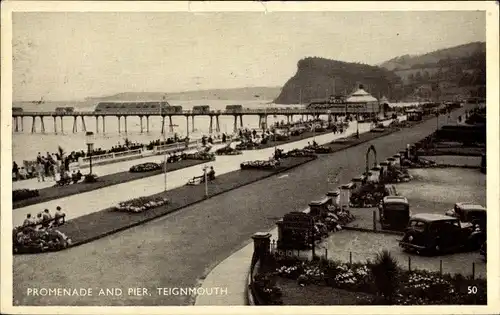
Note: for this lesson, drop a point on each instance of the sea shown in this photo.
(26, 145)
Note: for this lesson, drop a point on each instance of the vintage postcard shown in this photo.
(288, 157)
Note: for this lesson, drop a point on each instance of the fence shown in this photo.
(405, 261)
(98, 159)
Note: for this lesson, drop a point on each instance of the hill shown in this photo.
(433, 58)
(459, 70)
(319, 78)
(246, 93)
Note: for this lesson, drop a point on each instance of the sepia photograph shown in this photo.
(265, 155)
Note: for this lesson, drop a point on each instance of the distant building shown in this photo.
(360, 102)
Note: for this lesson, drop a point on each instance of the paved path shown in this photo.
(88, 202)
(100, 170)
(179, 250)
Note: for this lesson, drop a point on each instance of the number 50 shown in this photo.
(471, 289)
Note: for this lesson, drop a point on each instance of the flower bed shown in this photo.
(30, 240)
(396, 175)
(299, 153)
(145, 167)
(419, 163)
(406, 288)
(21, 194)
(260, 164)
(228, 151)
(141, 204)
(319, 149)
(202, 156)
(367, 196)
(247, 145)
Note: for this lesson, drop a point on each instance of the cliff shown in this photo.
(319, 78)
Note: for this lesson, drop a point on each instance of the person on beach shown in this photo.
(29, 221)
(22, 173)
(211, 173)
(224, 138)
(59, 216)
(39, 158)
(39, 219)
(46, 218)
(15, 170)
(41, 172)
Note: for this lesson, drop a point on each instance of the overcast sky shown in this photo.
(70, 56)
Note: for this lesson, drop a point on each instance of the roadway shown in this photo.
(179, 250)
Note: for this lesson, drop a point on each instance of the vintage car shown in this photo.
(469, 212)
(435, 234)
(394, 213)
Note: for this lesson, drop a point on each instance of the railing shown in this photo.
(108, 157)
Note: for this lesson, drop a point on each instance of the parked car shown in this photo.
(436, 234)
(469, 212)
(394, 213)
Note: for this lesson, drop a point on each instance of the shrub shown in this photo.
(385, 274)
(21, 194)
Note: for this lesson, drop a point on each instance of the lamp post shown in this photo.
(357, 122)
(205, 168)
(164, 142)
(90, 148)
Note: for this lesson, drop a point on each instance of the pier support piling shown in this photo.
(119, 124)
(192, 123)
(125, 118)
(43, 126)
(103, 124)
(235, 129)
(217, 124)
(162, 124)
(83, 124)
(62, 125)
(147, 124)
(33, 124)
(187, 126)
(241, 121)
(210, 129)
(171, 125)
(74, 125)
(16, 128)
(97, 124)
(55, 125)
(142, 129)
(22, 123)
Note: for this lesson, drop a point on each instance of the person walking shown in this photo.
(41, 171)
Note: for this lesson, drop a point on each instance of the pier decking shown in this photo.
(18, 116)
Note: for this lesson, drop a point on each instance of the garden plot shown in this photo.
(360, 246)
(435, 190)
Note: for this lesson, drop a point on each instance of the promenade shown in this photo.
(180, 249)
(88, 202)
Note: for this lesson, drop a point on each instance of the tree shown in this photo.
(418, 77)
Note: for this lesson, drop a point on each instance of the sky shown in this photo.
(71, 56)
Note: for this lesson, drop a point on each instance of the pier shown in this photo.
(120, 111)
